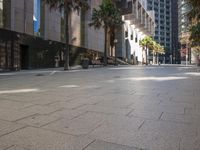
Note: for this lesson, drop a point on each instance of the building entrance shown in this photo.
(24, 56)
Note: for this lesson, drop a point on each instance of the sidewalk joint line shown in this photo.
(88, 144)
(141, 125)
(160, 116)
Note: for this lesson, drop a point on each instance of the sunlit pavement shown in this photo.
(113, 108)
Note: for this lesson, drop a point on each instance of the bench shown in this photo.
(96, 62)
(111, 61)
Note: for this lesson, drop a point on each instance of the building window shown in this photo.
(132, 35)
(36, 17)
(136, 38)
(1, 13)
(126, 34)
(162, 33)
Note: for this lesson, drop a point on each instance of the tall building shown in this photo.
(163, 30)
(138, 23)
(175, 42)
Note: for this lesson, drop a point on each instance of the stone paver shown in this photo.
(187, 119)
(116, 108)
(38, 120)
(191, 143)
(43, 110)
(102, 145)
(153, 115)
(36, 139)
(171, 128)
(8, 127)
(106, 110)
(6, 104)
(14, 115)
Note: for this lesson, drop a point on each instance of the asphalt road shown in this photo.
(113, 108)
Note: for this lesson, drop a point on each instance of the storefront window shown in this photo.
(36, 17)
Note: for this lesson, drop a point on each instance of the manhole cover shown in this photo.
(39, 74)
(116, 76)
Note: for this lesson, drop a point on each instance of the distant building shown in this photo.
(163, 30)
(174, 31)
(138, 23)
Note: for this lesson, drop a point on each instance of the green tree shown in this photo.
(195, 38)
(146, 43)
(195, 33)
(195, 11)
(158, 49)
(68, 6)
(194, 16)
(108, 17)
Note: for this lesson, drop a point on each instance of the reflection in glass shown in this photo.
(36, 17)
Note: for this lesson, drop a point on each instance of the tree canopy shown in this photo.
(68, 6)
(107, 16)
(194, 16)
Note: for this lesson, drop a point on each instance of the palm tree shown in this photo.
(108, 17)
(194, 16)
(114, 26)
(68, 6)
(146, 43)
(158, 49)
(195, 33)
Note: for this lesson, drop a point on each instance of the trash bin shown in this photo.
(85, 63)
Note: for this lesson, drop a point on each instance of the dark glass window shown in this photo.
(126, 33)
(162, 33)
(136, 38)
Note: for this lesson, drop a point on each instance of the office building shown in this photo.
(175, 43)
(163, 20)
(32, 34)
(138, 23)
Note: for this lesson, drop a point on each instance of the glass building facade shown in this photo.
(1, 13)
(36, 17)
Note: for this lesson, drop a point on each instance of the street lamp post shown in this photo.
(115, 42)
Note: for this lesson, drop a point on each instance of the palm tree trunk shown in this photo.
(66, 23)
(105, 46)
(157, 57)
(146, 55)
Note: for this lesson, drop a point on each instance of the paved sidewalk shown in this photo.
(112, 108)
